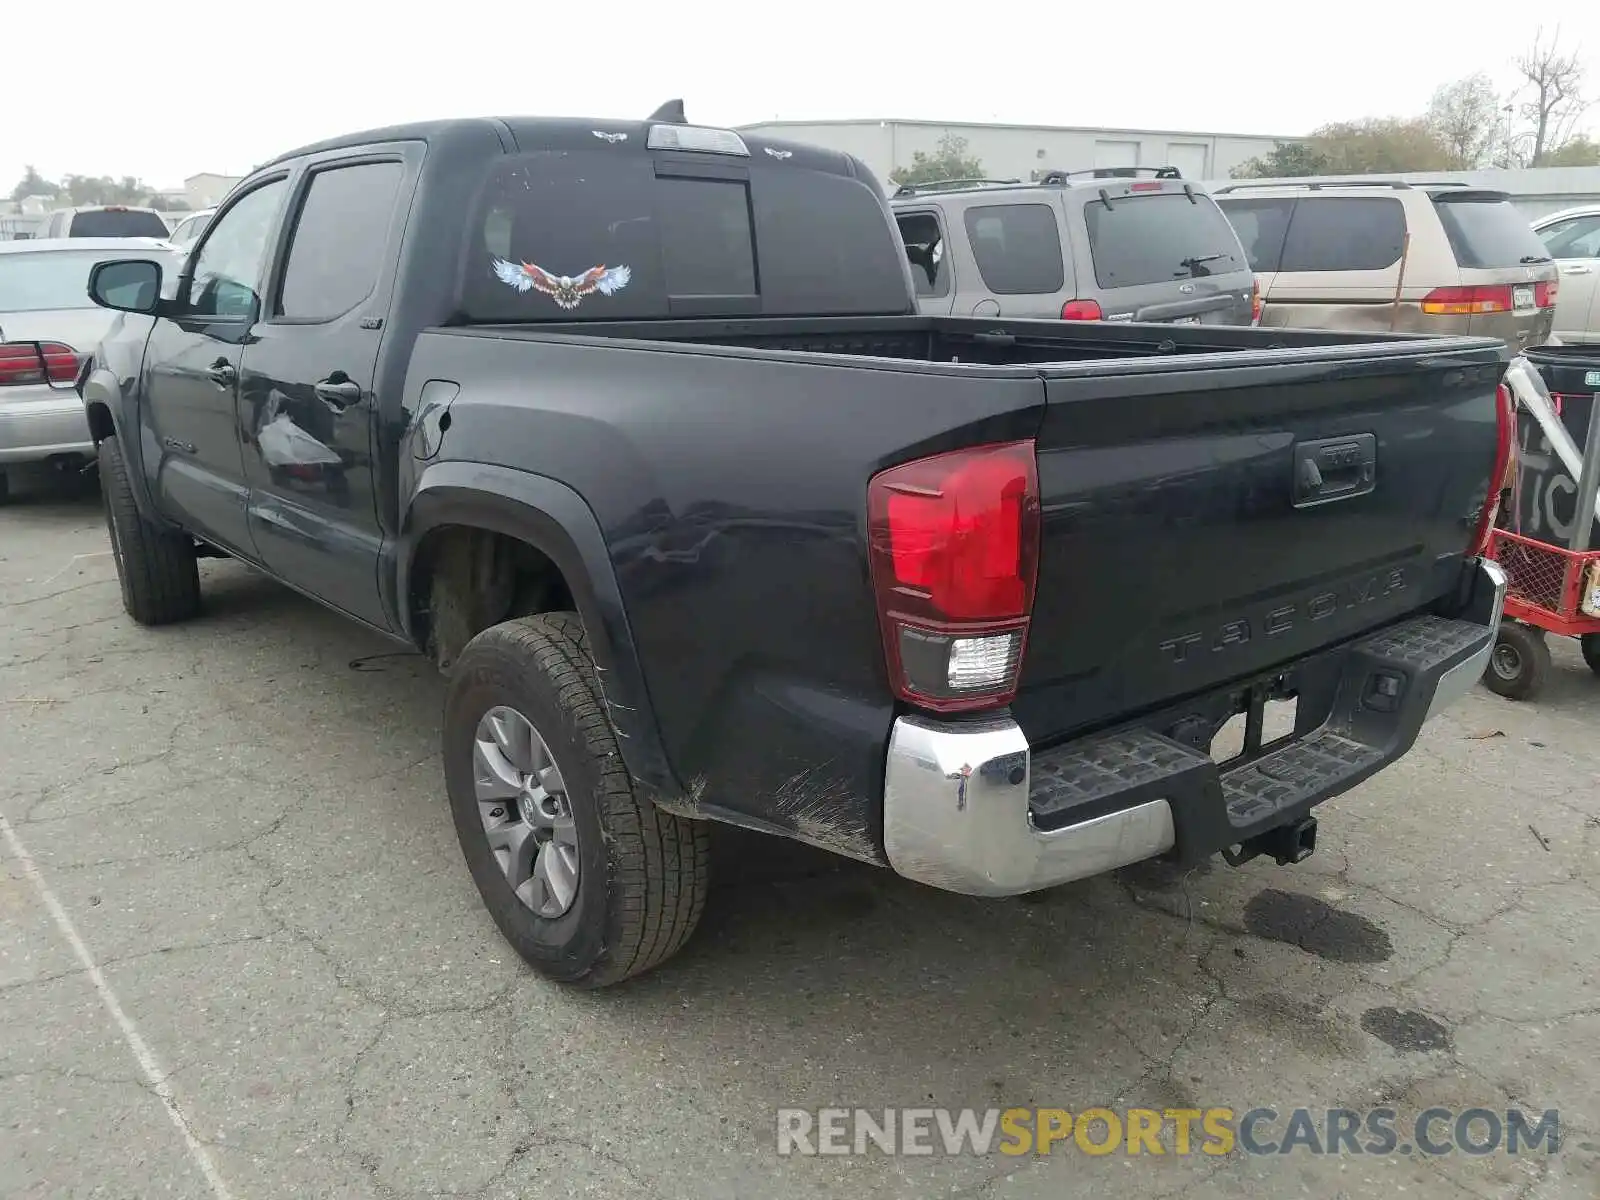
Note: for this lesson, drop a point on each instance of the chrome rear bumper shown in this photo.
(960, 798)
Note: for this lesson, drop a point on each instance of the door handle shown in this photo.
(1577, 270)
(1331, 469)
(338, 393)
(222, 373)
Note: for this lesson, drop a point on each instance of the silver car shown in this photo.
(1572, 238)
(186, 231)
(48, 326)
(1113, 244)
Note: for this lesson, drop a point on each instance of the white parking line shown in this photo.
(154, 1073)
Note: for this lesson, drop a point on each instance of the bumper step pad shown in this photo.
(1074, 783)
(1423, 643)
(1081, 781)
(1318, 763)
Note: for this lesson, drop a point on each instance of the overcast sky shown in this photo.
(166, 91)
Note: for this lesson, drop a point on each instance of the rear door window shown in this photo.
(1017, 248)
(1344, 233)
(1261, 224)
(1159, 238)
(1486, 233)
(923, 239)
(338, 247)
(113, 223)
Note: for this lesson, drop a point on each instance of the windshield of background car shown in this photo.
(111, 223)
(46, 279)
(1159, 238)
(560, 235)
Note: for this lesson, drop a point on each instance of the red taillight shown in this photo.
(954, 548)
(37, 362)
(1148, 186)
(1544, 294)
(1505, 406)
(1081, 310)
(1468, 301)
(1255, 302)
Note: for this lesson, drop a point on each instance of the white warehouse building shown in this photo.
(1020, 151)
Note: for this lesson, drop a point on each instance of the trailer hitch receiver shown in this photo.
(1291, 843)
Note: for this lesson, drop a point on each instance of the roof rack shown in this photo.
(1059, 177)
(1317, 185)
(950, 185)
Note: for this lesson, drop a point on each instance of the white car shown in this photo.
(1572, 238)
(48, 326)
(186, 231)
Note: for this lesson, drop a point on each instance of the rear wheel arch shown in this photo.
(503, 544)
(101, 424)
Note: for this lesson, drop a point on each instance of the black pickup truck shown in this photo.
(634, 428)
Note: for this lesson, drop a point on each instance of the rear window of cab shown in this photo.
(562, 235)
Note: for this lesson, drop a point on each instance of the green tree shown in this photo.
(1381, 144)
(103, 189)
(1579, 151)
(33, 184)
(950, 162)
(1287, 160)
(1369, 146)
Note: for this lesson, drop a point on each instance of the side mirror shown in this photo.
(127, 285)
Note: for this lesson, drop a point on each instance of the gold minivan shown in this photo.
(1390, 255)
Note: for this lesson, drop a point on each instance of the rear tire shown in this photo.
(156, 567)
(623, 882)
(1518, 663)
(1590, 644)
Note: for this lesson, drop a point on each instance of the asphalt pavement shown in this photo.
(240, 955)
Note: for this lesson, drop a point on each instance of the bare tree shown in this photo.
(1466, 116)
(1553, 84)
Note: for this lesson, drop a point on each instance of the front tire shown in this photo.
(590, 882)
(157, 567)
(1518, 663)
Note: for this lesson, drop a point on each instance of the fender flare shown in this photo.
(555, 520)
(102, 389)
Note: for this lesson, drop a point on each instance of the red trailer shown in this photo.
(1553, 588)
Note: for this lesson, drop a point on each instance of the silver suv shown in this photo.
(1116, 244)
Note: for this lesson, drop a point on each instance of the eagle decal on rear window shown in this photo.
(568, 291)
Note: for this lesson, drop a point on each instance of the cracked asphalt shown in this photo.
(295, 992)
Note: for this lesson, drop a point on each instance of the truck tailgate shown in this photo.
(1205, 520)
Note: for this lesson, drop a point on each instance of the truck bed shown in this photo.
(980, 341)
(1181, 559)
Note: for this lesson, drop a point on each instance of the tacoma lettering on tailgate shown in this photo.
(1241, 630)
